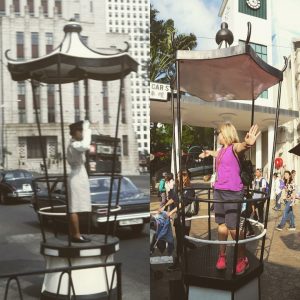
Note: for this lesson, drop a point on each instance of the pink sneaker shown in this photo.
(221, 263)
(242, 265)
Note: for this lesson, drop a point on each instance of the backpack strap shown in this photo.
(237, 158)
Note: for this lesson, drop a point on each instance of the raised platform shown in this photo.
(95, 283)
(59, 247)
(201, 269)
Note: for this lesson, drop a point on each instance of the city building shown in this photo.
(33, 28)
(259, 13)
(133, 17)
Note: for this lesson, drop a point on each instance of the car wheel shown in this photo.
(3, 198)
(137, 228)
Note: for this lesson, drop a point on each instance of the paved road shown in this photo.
(19, 251)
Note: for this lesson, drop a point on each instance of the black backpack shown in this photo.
(246, 169)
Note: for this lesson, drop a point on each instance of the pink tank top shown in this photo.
(228, 171)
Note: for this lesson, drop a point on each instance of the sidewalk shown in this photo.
(280, 279)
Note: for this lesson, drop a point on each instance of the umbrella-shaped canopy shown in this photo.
(76, 60)
(233, 73)
(295, 150)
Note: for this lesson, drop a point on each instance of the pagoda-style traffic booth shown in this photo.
(224, 74)
(70, 62)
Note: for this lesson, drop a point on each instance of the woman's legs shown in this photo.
(222, 236)
(285, 215)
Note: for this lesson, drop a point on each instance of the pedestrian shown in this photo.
(229, 187)
(78, 181)
(260, 186)
(278, 187)
(289, 200)
(173, 203)
(169, 184)
(162, 189)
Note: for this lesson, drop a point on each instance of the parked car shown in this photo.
(134, 204)
(197, 166)
(15, 184)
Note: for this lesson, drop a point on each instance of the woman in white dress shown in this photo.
(78, 181)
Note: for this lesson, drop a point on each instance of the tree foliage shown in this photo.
(164, 42)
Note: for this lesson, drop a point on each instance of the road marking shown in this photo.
(24, 238)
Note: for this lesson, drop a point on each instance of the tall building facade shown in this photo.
(133, 17)
(33, 28)
(259, 13)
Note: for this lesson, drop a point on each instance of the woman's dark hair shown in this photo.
(275, 175)
(169, 177)
(287, 181)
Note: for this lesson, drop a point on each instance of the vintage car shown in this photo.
(15, 184)
(133, 208)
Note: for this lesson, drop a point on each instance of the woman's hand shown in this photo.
(252, 135)
(204, 154)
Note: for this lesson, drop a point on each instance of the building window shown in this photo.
(77, 17)
(76, 101)
(49, 42)
(44, 4)
(22, 115)
(21, 101)
(30, 5)
(34, 44)
(2, 7)
(91, 6)
(86, 100)
(123, 109)
(34, 146)
(261, 51)
(125, 145)
(58, 7)
(37, 109)
(20, 45)
(261, 12)
(16, 4)
(51, 103)
(105, 103)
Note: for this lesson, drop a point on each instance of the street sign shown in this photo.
(159, 91)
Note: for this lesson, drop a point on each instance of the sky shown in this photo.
(201, 18)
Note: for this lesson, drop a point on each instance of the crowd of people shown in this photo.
(229, 188)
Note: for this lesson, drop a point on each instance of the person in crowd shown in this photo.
(173, 204)
(162, 189)
(289, 200)
(260, 186)
(278, 187)
(229, 187)
(169, 184)
(293, 172)
(78, 181)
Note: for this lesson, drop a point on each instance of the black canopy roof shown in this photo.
(77, 61)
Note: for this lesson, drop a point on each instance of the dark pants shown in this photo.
(277, 200)
(260, 211)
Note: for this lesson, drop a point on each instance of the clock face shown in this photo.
(254, 4)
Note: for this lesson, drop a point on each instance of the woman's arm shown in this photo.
(207, 153)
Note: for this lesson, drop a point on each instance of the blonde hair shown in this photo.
(229, 133)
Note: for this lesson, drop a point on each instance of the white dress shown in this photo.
(78, 181)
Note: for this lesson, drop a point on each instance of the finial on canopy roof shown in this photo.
(72, 26)
(224, 34)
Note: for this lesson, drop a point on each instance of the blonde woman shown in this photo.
(229, 187)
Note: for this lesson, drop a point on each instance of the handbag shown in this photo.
(192, 209)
